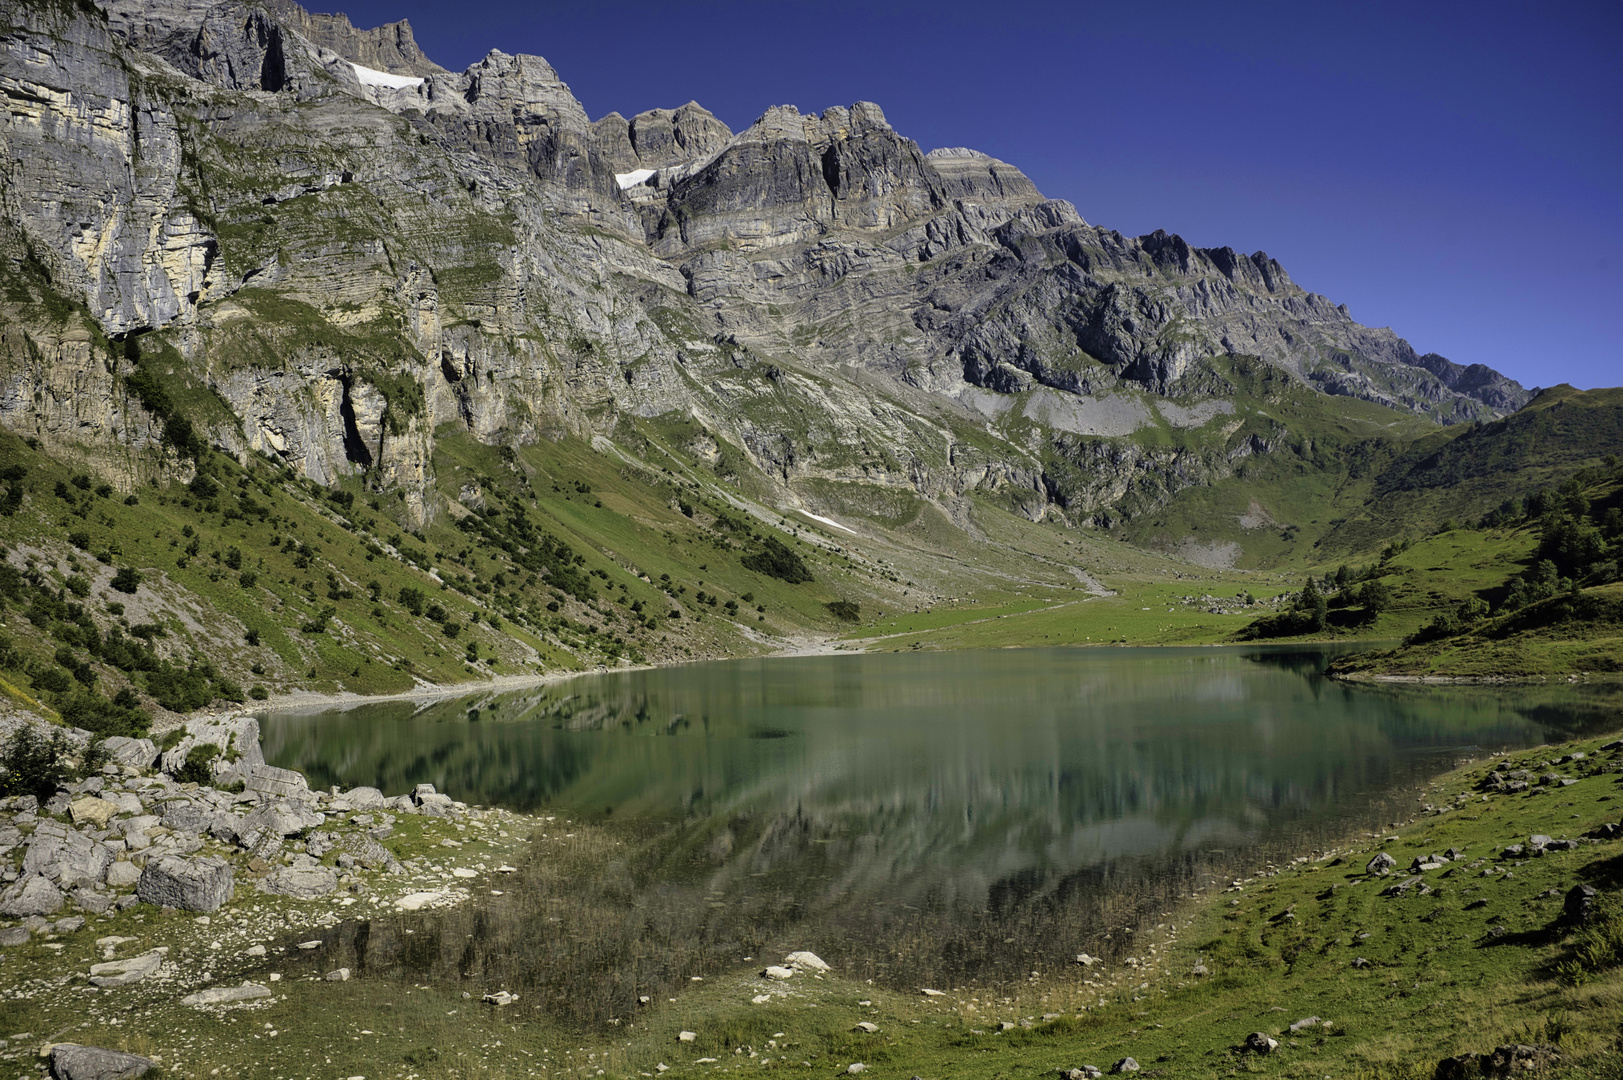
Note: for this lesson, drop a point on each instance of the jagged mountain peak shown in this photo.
(476, 236)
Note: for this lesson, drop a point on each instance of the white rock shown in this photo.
(418, 900)
(776, 972)
(121, 875)
(464, 872)
(867, 1025)
(927, 992)
(805, 961)
(225, 995)
(686, 1036)
(116, 973)
(92, 809)
(338, 975)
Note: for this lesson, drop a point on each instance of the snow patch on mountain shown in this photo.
(632, 178)
(373, 77)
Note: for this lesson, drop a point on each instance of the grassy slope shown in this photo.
(1564, 636)
(1463, 472)
(1324, 455)
(1475, 963)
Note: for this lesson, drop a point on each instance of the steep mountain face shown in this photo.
(339, 247)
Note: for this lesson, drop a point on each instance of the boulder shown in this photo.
(1538, 842)
(237, 738)
(127, 802)
(122, 875)
(33, 895)
(307, 881)
(65, 856)
(1580, 903)
(805, 961)
(1500, 1064)
(779, 973)
(226, 995)
(1259, 1042)
(1125, 1065)
(1305, 1024)
(135, 827)
(1400, 887)
(15, 935)
(92, 900)
(116, 973)
(359, 798)
(275, 783)
(434, 805)
(368, 852)
(184, 815)
(70, 1061)
(92, 810)
(281, 818)
(417, 901)
(1380, 864)
(136, 753)
(190, 884)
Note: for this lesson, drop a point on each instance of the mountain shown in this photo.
(829, 301)
(249, 249)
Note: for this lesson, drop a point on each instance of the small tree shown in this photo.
(199, 766)
(127, 580)
(35, 765)
(844, 610)
(1375, 597)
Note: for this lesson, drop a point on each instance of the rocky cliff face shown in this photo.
(339, 266)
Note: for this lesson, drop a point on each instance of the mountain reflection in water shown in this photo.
(915, 817)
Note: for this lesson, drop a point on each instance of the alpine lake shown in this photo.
(919, 819)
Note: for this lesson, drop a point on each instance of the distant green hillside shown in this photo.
(1463, 472)
(1533, 589)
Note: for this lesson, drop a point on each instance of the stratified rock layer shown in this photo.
(347, 265)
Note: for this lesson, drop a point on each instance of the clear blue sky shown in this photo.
(1454, 171)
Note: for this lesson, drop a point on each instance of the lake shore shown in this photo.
(308, 700)
(1394, 967)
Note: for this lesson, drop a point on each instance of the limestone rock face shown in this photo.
(390, 47)
(93, 174)
(349, 266)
